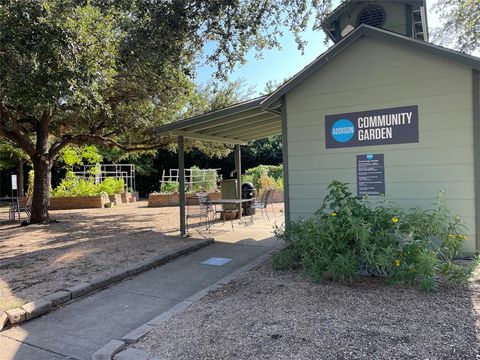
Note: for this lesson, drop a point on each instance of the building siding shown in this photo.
(374, 74)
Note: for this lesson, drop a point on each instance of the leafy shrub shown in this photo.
(350, 235)
(169, 187)
(247, 178)
(73, 185)
(279, 184)
(265, 176)
(275, 171)
(112, 186)
(266, 182)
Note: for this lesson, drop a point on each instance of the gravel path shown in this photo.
(83, 244)
(281, 315)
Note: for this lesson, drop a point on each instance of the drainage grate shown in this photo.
(216, 261)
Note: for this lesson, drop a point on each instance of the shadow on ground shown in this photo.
(39, 259)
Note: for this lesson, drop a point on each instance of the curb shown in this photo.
(135, 335)
(49, 302)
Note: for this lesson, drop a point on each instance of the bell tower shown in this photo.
(406, 17)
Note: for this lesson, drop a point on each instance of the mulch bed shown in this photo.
(282, 315)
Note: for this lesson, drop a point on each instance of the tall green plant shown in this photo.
(349, 235)
(72, 185)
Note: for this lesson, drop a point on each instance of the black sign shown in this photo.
(376, 127)
(370, 175)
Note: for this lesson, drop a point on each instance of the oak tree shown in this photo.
(109, 72)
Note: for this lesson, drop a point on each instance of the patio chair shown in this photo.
(198, 207)
(17, 209)
(263, 203)
(223, 214)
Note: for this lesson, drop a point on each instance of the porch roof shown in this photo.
(235, 124)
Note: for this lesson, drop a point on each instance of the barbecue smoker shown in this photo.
(248, 192)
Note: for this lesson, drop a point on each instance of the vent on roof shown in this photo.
(372, 15)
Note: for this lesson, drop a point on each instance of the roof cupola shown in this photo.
(406, 17)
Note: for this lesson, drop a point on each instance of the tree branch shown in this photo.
(13, 133)
(20, 139)
(152, 144)
(59, 145)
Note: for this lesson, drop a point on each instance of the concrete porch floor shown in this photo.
(245, 232)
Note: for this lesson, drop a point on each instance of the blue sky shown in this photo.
(280, 64)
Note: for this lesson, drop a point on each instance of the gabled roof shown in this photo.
(371, 32)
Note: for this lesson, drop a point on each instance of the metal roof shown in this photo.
(235, 124)
(375, 33)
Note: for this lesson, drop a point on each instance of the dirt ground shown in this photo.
(39, 259)
(282, 315)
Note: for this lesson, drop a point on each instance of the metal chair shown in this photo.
(17, 209)
(222, 212)
(263, 203)
(198, 207)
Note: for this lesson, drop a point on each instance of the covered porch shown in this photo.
(235, 125)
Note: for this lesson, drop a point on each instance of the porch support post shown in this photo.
(286, 182)
(238, 168)
(181, 185)
(476, 152)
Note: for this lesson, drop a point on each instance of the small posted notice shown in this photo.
(370, 175)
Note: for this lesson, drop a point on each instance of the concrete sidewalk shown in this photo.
(80, 328)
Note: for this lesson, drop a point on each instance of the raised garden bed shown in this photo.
(164, 200)
(85, 202)
(78, 202)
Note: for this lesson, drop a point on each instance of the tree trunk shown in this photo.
(20, 178)
(41, 190)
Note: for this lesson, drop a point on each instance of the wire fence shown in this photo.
(195, 179)
(103, 171)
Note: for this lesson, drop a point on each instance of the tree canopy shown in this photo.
(460, 24)
(110, 72)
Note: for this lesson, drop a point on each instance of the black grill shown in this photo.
(248, 192)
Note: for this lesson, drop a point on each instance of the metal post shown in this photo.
(181, 185)
(238, 168)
